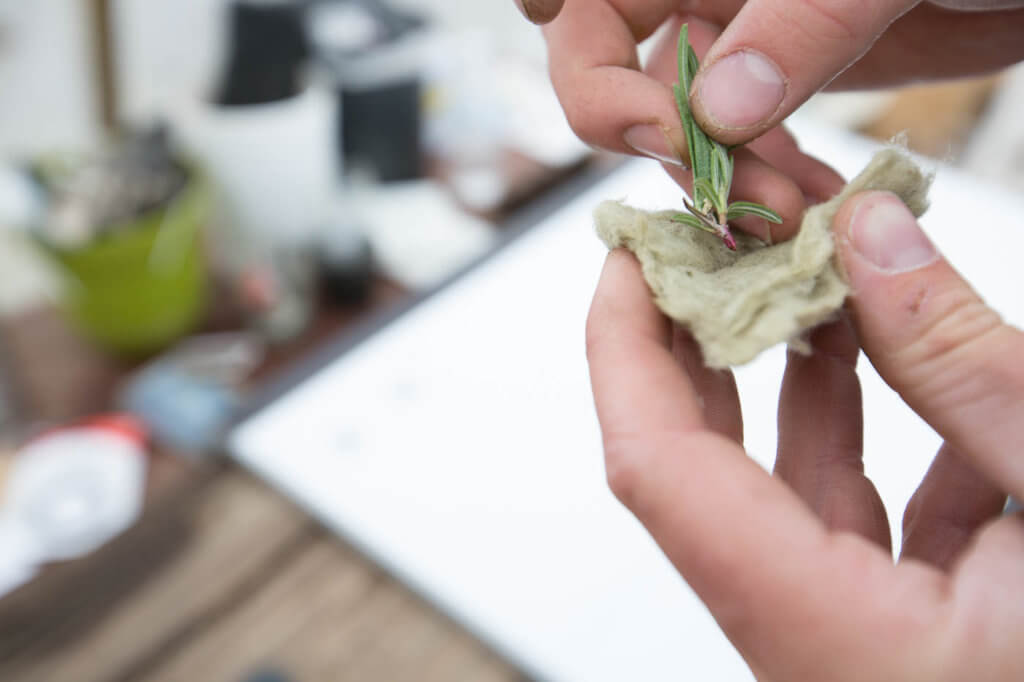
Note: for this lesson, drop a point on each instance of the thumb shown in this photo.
(931, 337)
(775, 54)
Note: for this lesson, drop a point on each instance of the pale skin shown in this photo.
(796, 565)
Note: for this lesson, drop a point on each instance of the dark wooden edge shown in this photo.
(105, 61)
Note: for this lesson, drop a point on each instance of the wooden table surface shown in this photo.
(222, 577)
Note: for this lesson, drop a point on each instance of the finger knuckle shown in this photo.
(985, 607)
(641, 465)
(833, 21)
(957, 323)
(579, 113)
(958, 357)
(621, 469)
(583, 92)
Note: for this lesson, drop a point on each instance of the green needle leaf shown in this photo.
(711, 162)
(738, 209)
(692, 221)
(686, 59)
(711, 192)
(717, 174)
(725, 162)
(684, 114)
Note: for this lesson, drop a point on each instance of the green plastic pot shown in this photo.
(142, 284)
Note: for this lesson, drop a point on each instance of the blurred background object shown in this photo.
(372, 55)
(125, 228)
(8, 401)
(196, 197)
(266, 136)
(49, 100)
(188, 397)
(267, 47)
(996, 148)
(69, 491)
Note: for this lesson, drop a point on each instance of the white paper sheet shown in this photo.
(459, 447)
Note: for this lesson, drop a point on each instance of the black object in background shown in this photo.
(346, 267)
(267, 50)
(380, 128)
(92, 194)
(372, 54)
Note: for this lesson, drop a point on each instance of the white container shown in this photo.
(73, 490)
(274, 165)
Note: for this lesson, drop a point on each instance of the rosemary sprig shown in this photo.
(711, 162)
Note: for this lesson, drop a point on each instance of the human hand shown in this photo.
(796, 567)
(612, 104)
(771, 56)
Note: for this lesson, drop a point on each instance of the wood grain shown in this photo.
(239, 532)
(239, 581)
(332, 616)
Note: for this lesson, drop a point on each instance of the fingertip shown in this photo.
(736, 97)
(878, 235)
(656, 142)
(623, 300)
(621, 265)
(622, 272)
(540, 11)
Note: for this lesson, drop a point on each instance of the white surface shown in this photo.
(29, 279)
(458, 446)
(418, 234)
(21, 200)
(47, 98)
(169, 53)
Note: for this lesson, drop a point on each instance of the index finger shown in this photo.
(595, 69)
(762, 562)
